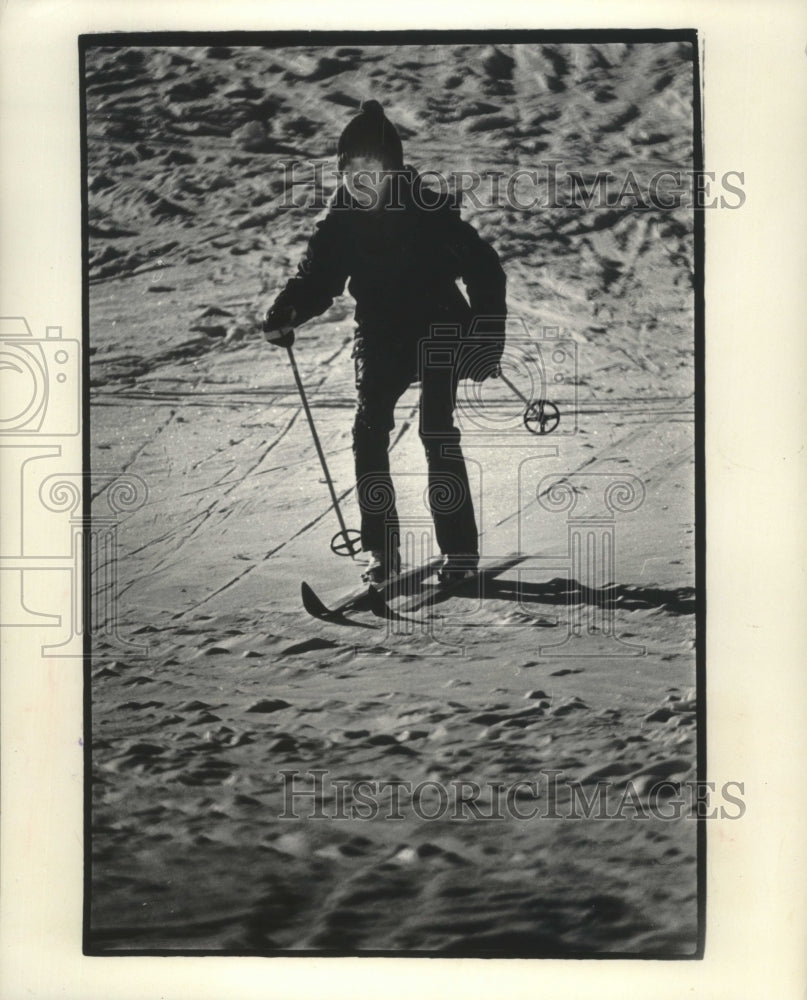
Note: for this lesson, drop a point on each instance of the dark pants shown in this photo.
(380, 383)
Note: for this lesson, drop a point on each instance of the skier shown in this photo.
(403, 246)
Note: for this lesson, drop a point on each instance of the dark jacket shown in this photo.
(402, 263)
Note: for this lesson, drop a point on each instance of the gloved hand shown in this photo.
(277, 325)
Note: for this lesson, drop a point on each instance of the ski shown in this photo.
(360, 600)
(432, 593)
(368, 597)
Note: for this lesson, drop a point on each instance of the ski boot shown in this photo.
(382, 566)
(457, 568)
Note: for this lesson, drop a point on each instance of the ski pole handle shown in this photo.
(277, 326)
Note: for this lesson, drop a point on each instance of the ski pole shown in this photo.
(345, 542)
(541, 417)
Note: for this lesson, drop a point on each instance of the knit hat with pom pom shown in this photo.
(370, 133)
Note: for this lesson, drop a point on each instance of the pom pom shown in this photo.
(372, 109)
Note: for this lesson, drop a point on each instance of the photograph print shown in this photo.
(393, 397)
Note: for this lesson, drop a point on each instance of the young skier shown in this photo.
(403, 246)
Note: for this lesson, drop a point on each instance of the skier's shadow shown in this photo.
(566, 592)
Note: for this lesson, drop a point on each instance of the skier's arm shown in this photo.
(479, 267)
(320, 277)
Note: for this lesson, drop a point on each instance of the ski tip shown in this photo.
(312, 604)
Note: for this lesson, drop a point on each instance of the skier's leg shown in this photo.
(378, 392)
(449, 490)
